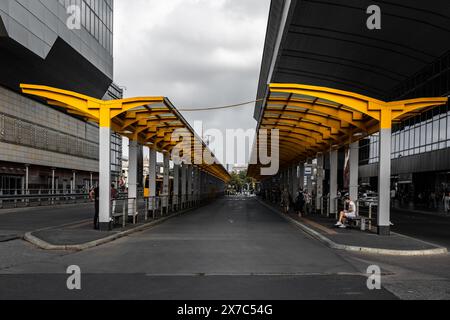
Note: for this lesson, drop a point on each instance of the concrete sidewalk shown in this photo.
(355, 240)
(14, 224)
(81, 236)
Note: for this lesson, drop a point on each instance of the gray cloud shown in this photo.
(196, 52)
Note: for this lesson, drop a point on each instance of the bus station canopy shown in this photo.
(151, 121)
(313, 119)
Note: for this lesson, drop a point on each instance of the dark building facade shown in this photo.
(420, 144)
(42, 147)
(327, 43)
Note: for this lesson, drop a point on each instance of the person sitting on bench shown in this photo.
(348, 213)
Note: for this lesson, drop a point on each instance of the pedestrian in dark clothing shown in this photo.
(299, 204)
(285, 201)
(96, 196)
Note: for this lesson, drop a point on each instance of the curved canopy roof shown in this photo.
(313, 119)
(327, 43)
(151, 121)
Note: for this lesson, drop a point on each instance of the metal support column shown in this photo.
(319, 180)
(294, 179)
(183, 185)
(333, 182)
(176, 187)
(301, 179)
(105, 178)
(354, 170)
(27, 179)
(152, 179)
(165, 191)
(384, 182)
(196, 184)
(74, 182)
(132, 175)
(189, 184)
(309, 177)
(53, 184)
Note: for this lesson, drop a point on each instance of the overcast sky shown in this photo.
(198, 53)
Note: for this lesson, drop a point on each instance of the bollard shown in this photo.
(363, 224)
(153, 207)
(123, 213)
(135, 211)
(146, 209)
(328, 207)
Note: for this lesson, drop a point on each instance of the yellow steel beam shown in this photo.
(133, 114)
(352, 117)
(357, 102)
(346, 118)
(318, 133)
(301, 110)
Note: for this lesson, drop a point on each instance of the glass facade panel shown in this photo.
(96, 18)
(423, 133)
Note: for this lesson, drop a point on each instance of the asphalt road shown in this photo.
(426, 227)
(31, 219)
(231, 249)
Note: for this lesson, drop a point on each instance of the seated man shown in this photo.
(348, 213)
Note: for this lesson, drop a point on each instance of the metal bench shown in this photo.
(359, 221)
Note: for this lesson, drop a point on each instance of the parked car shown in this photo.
(367, 198)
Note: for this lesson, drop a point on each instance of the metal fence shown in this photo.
(126, 210)
(35, 198)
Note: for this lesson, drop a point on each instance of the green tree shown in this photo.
(239, 181)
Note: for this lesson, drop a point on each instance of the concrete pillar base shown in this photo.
(384, 231)
(105, 226)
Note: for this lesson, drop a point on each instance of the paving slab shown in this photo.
(356, 237)
(353, 239)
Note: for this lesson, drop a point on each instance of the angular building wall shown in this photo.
(38, 47)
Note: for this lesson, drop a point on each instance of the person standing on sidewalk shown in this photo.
(308, 202)
(433, 200)
(114, 196)
(299, 203)
(96, 198)
(446, 201)
(285, 201)
(393, 197)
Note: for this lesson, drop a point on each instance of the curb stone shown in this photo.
(426, 252)
(91, 244)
